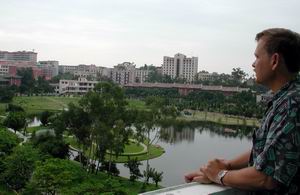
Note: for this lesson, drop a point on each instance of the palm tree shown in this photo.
(157, 177)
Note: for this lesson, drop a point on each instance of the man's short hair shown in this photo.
(284, 42)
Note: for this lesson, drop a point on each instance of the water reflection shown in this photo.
(173, 136)
(186, 132)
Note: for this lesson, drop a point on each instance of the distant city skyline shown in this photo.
(106, 33)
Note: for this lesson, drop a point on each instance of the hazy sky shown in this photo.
(107, 32)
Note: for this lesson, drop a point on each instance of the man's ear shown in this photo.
(275, 59)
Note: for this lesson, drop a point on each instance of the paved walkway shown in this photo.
(20, 135)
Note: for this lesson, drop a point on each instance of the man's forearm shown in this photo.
(248, 178)
(240, 161)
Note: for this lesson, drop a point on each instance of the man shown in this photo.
(272, 165)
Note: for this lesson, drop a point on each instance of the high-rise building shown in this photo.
(49, 68)
(123, 73)
(18, 58)
(180, 66)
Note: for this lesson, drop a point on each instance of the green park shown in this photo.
(102, 128)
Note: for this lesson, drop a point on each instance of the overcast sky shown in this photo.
(108, 32)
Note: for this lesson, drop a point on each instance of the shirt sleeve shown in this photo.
(280, 156)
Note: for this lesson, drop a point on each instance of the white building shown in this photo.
(127, 73)
(180, 66)
(83, 70)
(206, 76)
(80, 86)
(4, 70)
(140, 75)
(67, 69)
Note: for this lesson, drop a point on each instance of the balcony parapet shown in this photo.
(196, 189)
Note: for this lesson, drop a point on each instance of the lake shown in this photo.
(187, 148)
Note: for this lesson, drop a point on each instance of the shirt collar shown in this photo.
(284, 88)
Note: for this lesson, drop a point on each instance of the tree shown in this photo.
(44, 117)
(157, 177)
(148, 174)
(14, 108)
(52, 175)
(146, 123)
(238, 75)
(50, 144)
(15, 120)
(43, 86)
(133, 165)
(19, 166)
(78, 122)
(8, 141)
(110, 168)
(110, 120)
(6, 94)
(27, 81)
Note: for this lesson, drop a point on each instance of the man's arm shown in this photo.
(246, 178)
(239, 162)
(249, 179)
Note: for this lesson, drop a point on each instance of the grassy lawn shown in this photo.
(2, 108)
(34, 129)
(133, 148)
(220, 118)
(154, 151)
(136, 104)
(36, 104)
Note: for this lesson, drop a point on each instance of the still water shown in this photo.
(189, 148)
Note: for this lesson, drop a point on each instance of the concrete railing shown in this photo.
(196, 189)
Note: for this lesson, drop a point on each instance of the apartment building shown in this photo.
(140, 75)
(126, 72)
(180, 66)
(123, 73)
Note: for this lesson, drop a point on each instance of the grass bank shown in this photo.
(219, 118)
(154, 152)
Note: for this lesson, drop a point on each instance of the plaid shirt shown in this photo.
(276, 144)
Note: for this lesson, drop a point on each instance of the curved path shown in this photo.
(123, 154)
(136, 153)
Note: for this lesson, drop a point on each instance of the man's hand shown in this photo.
(197, 176)
(213, 167)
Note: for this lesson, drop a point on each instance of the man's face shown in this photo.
(262, 64)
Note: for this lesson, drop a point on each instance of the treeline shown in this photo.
(241, 104)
